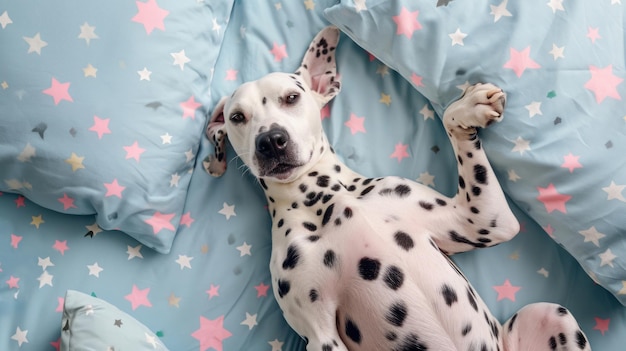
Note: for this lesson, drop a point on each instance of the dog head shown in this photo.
(274, 123)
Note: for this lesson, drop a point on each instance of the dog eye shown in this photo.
(237, 117)
(292, 99)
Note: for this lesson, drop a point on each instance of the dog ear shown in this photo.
(319, 68)
(215, 164)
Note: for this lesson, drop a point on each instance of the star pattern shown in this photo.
(279, 52)
(407, 22)
(356, 124)
(150, 15)
(138, 297)
(506, 291)
(520, 61)
(159, 221)
(211, 333)
(59, 91)
(603, 83)
(400, 152)
(552, 199)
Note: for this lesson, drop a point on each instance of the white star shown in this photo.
(250, 321)
(35, 44)
(614, 191)
(150, 339)
(45, 279)
(557, 52)
(180, 59)
(500, 11)
(89, 310)
(278, 6)
(44, 263)
(27, 153)
(5, 20)
(184, 261)
(144, 74)
(457, 37)
(216, 26)
(534, 108)
(427, 179)
(227, 210)
(613, 2)
(593, 235)
(174, 180)
(359, 5)
(556, 5)
(543, 272)
(521, 145)
(166, 138)
(90, 71)
(95, 269)
(87, 32)
(513, 175)
(134, 252)
(94, 228)
(276, 345)
(189, 155)
(244, 249)
(606, 258)
(242, 32)
(427, 113)
(20, 336)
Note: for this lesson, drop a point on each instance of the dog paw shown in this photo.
(480, 105)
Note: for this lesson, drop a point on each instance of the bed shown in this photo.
(112, 235)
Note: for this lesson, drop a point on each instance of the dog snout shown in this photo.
(273, 143)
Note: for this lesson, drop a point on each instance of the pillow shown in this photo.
(103, 111)
(90, 323)
(559, 152)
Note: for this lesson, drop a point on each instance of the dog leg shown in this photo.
(481, 216)
(543, 326)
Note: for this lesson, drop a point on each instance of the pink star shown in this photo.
(261, 290)
(603, 83)
(213, 291)
(186, 219)
(15, 240)
(355, 124)
(114, 189)
(61, 303)
(593, 34)
(549, 230)
(189, 107)
(100, 126)
(231, 74)
(416, 80)
(371, 57)
(571, 162)
(160, 221)
(13, 282)
(520, 61)
(407, 22)
(552, 199)
(59, 91)
(20, 201)
(56, 344)
(325, 112)
(150, 15)
(400, 152)
(67, 202)
(279, 52)
(211, 333)
(134, 151)
(138, 297)
(506, 291)
(60, 246)
(602, 325)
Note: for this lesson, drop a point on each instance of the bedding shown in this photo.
(202, 282)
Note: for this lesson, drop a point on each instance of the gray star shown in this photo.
(443, 2)
(155, 105)
(118, 323)
(40, 129)
(557, 120)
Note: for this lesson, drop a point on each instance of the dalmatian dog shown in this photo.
(360, 263)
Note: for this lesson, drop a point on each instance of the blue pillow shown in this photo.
(103, 107)
(90, 323)
(559, 153)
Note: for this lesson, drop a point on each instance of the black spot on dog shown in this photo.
(280, 223)
(283, 287)
(466, 329)
(323, 181)
(476, 190)
(470, 155)
(474, 210)
(562, 339)
(313, 174)
(351, 188)
(319, 212)
(313, 238)
(454, 236)
(337, 168)
(327, 347)
(312, 198)
(391, 336)
(483, 231)
(369, 268)
(367, 181)
(303, 187)
(581, 341)
(352, 331)
(347, 212)
(313, 295)
(293, 256)
(326, 198)
(441, 202)
(404, 240)
(337, 221)
(393, 277)
(287, 231)
(309, 226)
(562, 311)
(411, 343)
(294, 205)
(512, 322)
(402, 190)
(477, 144)
(329, 258)
(426, 205)
(385, 191)
(397, 314)
(449, 295)
(493, 224)
(327, 214)
(263, 183)
(552, 343)
(367, 190)
(472, 299)
(460, 160)
(335, 187)
(461, 182)
(480, 174)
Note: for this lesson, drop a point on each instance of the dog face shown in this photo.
(274, 123)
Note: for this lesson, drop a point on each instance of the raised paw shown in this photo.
(479, 106)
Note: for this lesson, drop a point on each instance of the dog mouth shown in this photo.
(279, 170)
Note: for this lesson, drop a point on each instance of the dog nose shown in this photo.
(272, 143)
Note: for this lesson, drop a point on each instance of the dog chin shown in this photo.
(281, 172)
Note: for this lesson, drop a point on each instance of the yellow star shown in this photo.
(385, 99)
(205, 248)
(4, 85)
(309, 4)
(382, 70)
(623, 290)
(76, 162)
(90, 71)
(514, 256)
(173, 300)
(37, 220)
